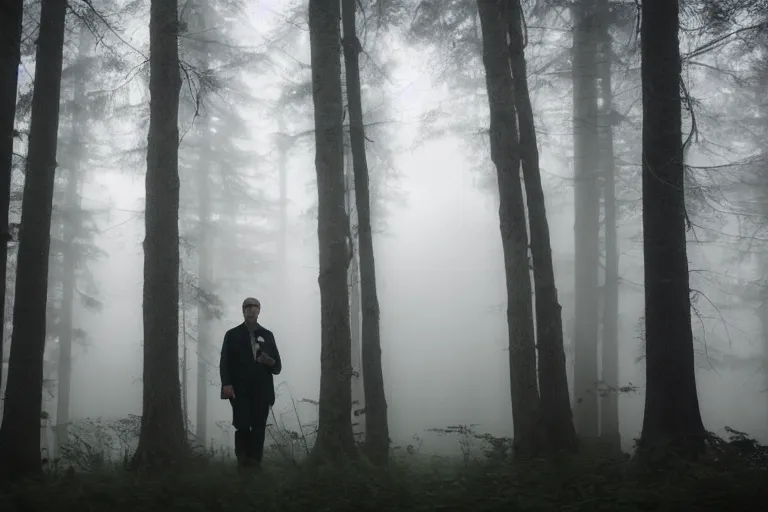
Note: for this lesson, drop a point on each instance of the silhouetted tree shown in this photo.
(672, 419)
(10, 57)
(20, 431)
(376, 427)
(505, 153)
(162, 440)
(556, 415)
(334, 434)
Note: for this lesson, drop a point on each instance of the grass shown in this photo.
(568, 484)
(732, 476)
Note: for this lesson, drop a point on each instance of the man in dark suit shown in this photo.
(249, 360)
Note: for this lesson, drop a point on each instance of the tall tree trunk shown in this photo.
(556, 415)
(587, 217)
(72, 228)
(609, 398)
(672, 417)
(10, 57)
(376, 426)
(355, 325)
(20, 431)
(505, 153)
(334, 435)
(162, 439)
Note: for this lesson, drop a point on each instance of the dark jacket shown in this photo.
(238, 368)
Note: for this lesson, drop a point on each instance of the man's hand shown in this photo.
(227, 392)
(265, 359)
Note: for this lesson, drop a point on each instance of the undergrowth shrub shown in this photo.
(92, 476)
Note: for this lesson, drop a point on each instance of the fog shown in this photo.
(440, 278)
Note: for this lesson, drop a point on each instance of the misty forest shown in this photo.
(514, 253)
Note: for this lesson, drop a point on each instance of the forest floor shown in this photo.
(562, 486)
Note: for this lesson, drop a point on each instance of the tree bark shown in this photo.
(609, 397)
(162, 439)
(672, 419)
(556, 415)
(10, 57)
(20, 431)
(355, 321)
(334, 435)
(376, 426)
(355, 313)
(505, 153)
(587, 217)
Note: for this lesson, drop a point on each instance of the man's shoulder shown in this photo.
(233, 330)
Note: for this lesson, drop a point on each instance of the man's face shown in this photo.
(251, 309)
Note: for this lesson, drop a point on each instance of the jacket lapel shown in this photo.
(243, 337)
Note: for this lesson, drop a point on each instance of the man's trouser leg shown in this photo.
(259, 416)
(241, 444)
(241, 420)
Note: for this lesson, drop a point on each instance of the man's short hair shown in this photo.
(250, 300)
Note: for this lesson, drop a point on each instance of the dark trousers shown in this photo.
(249, 417)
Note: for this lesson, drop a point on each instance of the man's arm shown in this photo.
(226, 378)
(278, 366)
